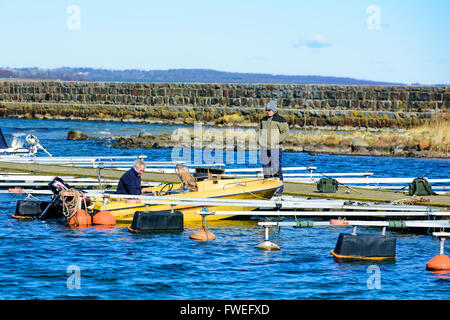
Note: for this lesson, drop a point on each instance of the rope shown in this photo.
(243, 186)
(339, 183)
(71, 204)
(29, 194)
(412, 201)
(254, 194)
(429, 210)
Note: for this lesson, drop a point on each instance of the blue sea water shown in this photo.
(46, 260)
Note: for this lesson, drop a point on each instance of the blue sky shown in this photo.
(398, 41)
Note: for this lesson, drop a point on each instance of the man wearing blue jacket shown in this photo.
(130, 182)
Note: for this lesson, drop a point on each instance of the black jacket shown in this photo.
(130, 183)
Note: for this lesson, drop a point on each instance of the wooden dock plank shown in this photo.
(83, 172)
(361, 194)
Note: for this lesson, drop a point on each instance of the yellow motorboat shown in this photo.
(243, 188)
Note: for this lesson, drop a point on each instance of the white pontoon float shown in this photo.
(439, 224)
(279, 205)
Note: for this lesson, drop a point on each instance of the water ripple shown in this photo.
(39, 259)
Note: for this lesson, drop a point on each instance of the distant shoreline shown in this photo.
(244, 139)
(176, 75)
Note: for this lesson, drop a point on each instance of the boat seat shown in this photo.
(186, 178)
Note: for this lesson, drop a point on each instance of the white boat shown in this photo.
(19, 154)
(16, 148)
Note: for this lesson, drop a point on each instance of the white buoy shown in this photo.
(266, 244)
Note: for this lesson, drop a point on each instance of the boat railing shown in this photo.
(258, 172)
(244, 183)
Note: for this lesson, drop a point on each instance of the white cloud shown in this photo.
(315, 41)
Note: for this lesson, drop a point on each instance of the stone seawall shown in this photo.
(302, 105)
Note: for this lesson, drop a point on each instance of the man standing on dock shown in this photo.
(273, 130)
(130, 182)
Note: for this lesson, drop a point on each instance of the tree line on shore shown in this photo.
(175, 75)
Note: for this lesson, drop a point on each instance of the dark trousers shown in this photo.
(271, 163)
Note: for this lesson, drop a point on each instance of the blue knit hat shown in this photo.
(272, 105)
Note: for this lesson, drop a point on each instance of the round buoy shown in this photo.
(104, 218)
(202, 235)
(80, 218)
(439, 262)
(268, 245)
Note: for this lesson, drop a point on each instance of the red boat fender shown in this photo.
(80, 218)
(104, 218)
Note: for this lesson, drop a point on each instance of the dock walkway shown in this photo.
(363, 194)
(291, 188)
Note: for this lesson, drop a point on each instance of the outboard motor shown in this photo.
(35, 145)
(56, 186)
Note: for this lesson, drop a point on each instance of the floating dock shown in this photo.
(62, 170)
(308, 190)
(363, 194)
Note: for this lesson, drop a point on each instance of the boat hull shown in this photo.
(249, 189)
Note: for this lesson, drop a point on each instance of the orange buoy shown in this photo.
(439, 262)
(202, 235)
(80, 218)
(104, 218)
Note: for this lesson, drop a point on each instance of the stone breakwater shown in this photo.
(223, 104)
(368, 144)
